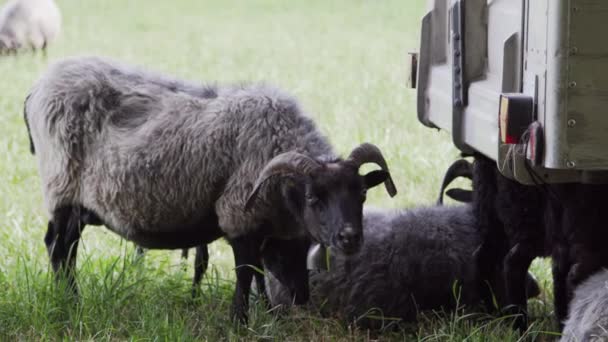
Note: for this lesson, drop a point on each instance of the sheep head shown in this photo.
(327, 196)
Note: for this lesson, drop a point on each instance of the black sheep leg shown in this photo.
(246, 254)
(139, 252)
(515, 269)
(261, 287)
(585, 264)
(286, 260)
(584, 227)
(520, 208)
(556, 220)
(61, 240)
(201, 261)
(490, 254)
(561, 290)
(486, 260)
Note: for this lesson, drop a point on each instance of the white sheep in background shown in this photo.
(588, 317)
(28, 24)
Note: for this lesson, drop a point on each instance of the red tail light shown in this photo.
(516, 112)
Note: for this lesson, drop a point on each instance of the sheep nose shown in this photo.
(349, 239)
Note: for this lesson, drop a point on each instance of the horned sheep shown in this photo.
(171, 164)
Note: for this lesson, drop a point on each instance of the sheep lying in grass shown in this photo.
(28, 24)
(170, 164)
(588, 316)
(410, 262)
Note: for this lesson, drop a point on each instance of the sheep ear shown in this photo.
(374, 178)
(460, 195)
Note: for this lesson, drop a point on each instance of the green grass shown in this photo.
(344, 59)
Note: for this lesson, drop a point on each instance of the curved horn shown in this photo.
(285, 163)
(460, 168)
(369, 153)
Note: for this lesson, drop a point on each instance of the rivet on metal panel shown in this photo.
(571, 123)
(574, 9)
(572, 84)
(456, 36)
(573, 50)
(570, 164)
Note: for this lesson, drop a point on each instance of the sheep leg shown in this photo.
(261, 287)
(486, 259)
(139, 251)
(61, 239)
(515, 268)
(246, 254)
(44, 53)
(585, 260)
(581, 271)
(492, 250)
(184, 257)
(201, 261)
(561, 292)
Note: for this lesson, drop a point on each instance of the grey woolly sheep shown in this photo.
(28, 24)
(410, 262)
(588, 314)
(170, 164)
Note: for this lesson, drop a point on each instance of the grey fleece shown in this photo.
(588, 314)
(410, 261)
(151, 154)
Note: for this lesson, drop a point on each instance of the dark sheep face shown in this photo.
(326, 196)
(330, 204)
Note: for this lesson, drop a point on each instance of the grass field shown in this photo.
(344, 59)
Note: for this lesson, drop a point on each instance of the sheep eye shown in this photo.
(363, 194)
(312, 199)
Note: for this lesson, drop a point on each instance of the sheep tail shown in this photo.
(27, 125)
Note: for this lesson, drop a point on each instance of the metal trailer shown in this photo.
(524, 82)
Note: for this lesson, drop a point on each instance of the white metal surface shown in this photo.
(553, 50)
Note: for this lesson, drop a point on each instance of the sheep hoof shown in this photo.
(196, 292)
(239, 315)
(520, 317)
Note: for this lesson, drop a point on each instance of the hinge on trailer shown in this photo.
(457, 38)
(459, 100)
